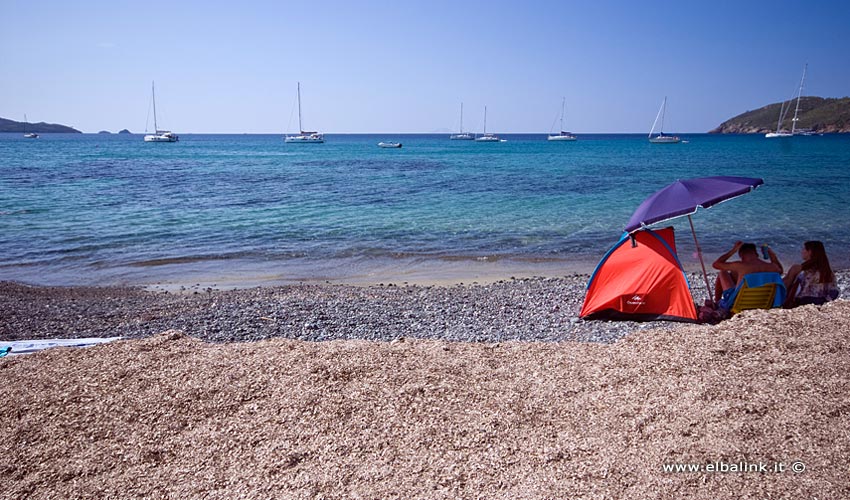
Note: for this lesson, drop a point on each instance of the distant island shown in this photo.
(816, 114)
(124, 131)
(40, 127)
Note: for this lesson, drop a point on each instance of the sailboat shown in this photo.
(159, 135)
(563, 136)
(304, 136)
(461, 136)
(783, 110)
(487, 137)
(28, 135)
(661, 138)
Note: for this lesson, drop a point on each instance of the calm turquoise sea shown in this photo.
(110, 209)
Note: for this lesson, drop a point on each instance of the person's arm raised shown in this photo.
(774, 260)
(721, 263)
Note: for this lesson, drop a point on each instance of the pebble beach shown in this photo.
(473, 391)
(477, 390)
(527, 309)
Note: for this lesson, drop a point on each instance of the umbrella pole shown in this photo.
(699, 252)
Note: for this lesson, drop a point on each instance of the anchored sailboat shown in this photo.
(159, 135)
(462, 136)
(28, 135)
(304, 136)
(783, 110)
(487, 137)
(661, 138)
(562, 136)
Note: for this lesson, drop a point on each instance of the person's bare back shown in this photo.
(732, 273)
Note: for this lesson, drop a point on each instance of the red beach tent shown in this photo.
(642, 279)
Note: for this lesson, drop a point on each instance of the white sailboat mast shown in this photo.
(300, 127)
(563, 103)
(659, 115)
(485, 120)
(153, 98)
(461, 118)
(799, 93)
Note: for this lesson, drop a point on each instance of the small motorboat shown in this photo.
(389, 144)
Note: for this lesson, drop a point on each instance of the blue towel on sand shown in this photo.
(4, 351)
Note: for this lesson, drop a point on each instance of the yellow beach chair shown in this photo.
(759, 291)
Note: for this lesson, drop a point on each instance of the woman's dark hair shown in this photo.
(818, 261)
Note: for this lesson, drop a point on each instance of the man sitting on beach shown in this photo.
(732, 273)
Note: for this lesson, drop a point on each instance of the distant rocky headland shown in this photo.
(40, 127)
(818, 114)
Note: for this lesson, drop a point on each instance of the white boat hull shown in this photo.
(389, 144)
(461, 137)
(562, 138)
(161, 138)
(665, 139)
(304, 139)
(31, 135)
(488, 137)
(771, 135)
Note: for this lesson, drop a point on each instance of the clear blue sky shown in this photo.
(405, 66)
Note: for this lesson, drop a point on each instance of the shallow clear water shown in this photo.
(103, 209)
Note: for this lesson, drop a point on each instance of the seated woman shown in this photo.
(813, 281)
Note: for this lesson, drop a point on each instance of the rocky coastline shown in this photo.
(741, 128)
(817, 115)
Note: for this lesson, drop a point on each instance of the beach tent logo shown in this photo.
(640, 278)
(636, 300)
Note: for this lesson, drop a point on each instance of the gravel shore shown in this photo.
(529, 309)
(655, 415)
(542, 309)
(418, 392)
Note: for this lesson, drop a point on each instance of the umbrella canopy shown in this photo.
(683, 197)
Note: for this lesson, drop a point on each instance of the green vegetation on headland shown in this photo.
(816, 113)
(40, 127)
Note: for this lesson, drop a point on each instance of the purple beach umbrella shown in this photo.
(684, 197)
